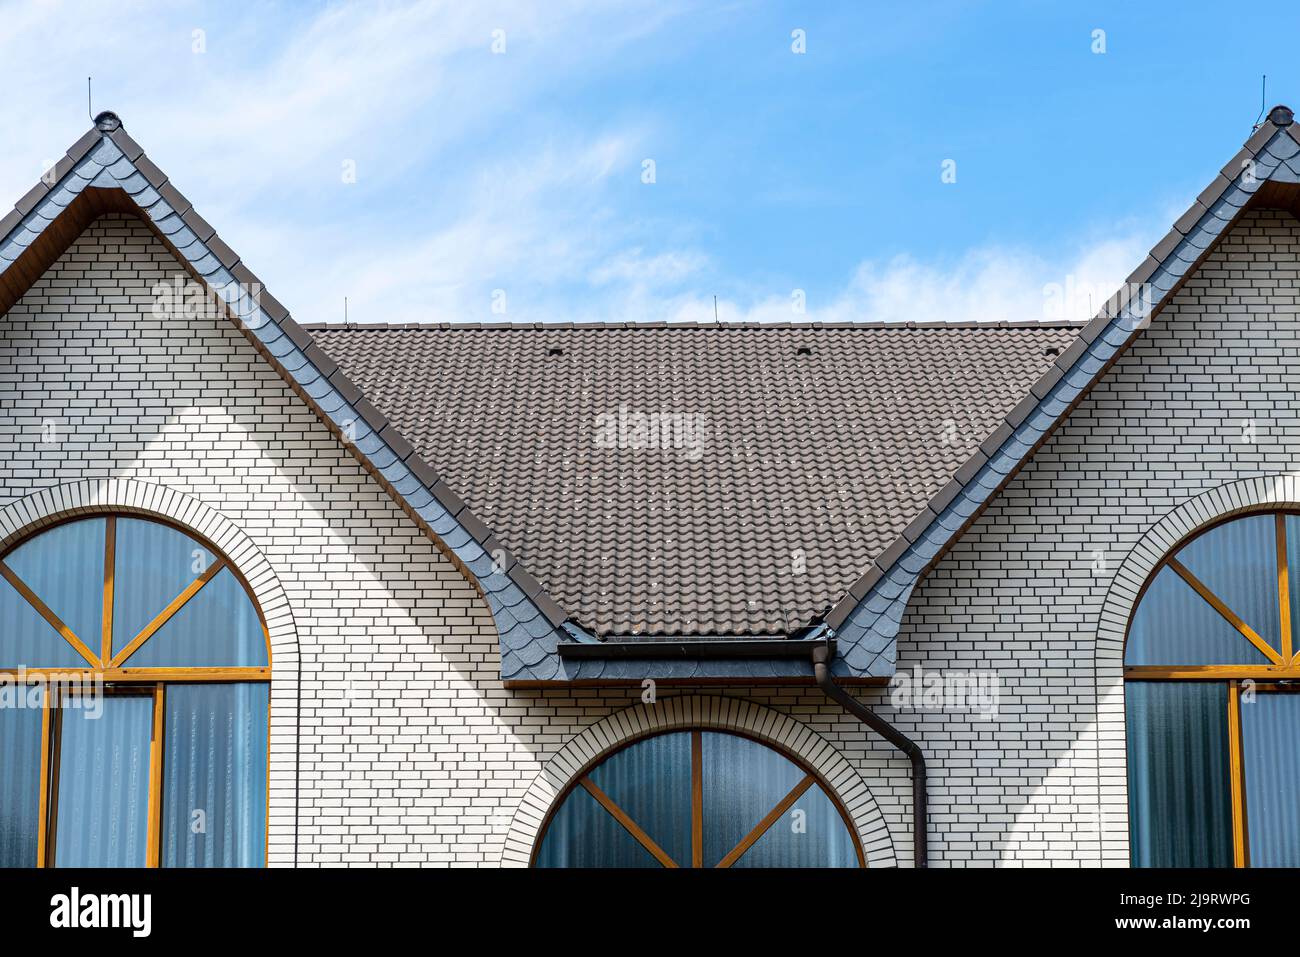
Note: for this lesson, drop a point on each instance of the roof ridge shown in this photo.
(878, 324)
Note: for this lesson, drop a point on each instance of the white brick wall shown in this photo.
(411, 750)
(1023, 590)
(429, 758)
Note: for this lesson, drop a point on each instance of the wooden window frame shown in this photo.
(1283, 666)
(107, 672)
(582, 779)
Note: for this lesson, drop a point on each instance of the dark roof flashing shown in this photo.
(696, 648)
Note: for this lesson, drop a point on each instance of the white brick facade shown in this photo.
(1025, 589)
(410, 751)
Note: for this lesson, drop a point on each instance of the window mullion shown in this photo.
(1237, 771)
(642, 838)
(1283, 587)
(110, 550)
(42, 831)
(750, 839)
(697, 799)
(155, 778)
(1227, 613)
(166, 614)
(44, 611)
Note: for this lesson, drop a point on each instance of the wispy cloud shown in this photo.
(471, 188)
(984, 285)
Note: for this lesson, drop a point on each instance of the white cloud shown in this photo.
(458, 194)
(520, 227)
(635, 268)
(984, 285)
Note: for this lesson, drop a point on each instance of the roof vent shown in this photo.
(1281, 115)
(803, 351)
(1052, 351)
(555, 351)
(107, 122)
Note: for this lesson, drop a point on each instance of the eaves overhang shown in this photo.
(867, 620)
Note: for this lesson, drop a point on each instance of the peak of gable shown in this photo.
(107, 171)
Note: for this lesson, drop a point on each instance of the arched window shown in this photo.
(134, 703)
(697, 799)
(1213, 717)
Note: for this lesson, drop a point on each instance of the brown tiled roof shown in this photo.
(820, 445)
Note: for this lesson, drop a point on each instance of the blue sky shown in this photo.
(522, 171)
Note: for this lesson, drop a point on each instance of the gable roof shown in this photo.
(808, 466)
(1264, 173)
(106, 170)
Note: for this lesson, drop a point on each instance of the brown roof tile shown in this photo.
(811, 465)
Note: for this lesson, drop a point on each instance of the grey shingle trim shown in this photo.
(866, 621)
(528, 620)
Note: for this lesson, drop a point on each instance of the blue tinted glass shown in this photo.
(64, 566)
(743, 781)
(1180, 811)
(28, 640)
(1237, 561)
(1271, 755)
(1173, 625)
(153, 563)
(810, 834)
(20, 779)
(103, 793)
(214, 775)
(1293, 570)
(218, 627)
(583, 834)
(662, 810)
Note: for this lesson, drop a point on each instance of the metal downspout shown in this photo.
(821, 656)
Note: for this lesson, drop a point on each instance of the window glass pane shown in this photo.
(218, 627)
(583, 834)
(153, 563)
(1293, 570)
(1180, 812)
(810, 834)
(20, 780)
(214, 775)
(64, 566)
(28, 640)
(1237, 561)
(662, 810)
(104, 782)
(1173, 625)
(1270, 738)
(743, 781)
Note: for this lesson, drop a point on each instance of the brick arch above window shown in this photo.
(1225, 501)
(711, 713)
(27, 516)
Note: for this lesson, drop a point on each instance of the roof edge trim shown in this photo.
(867, 619)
